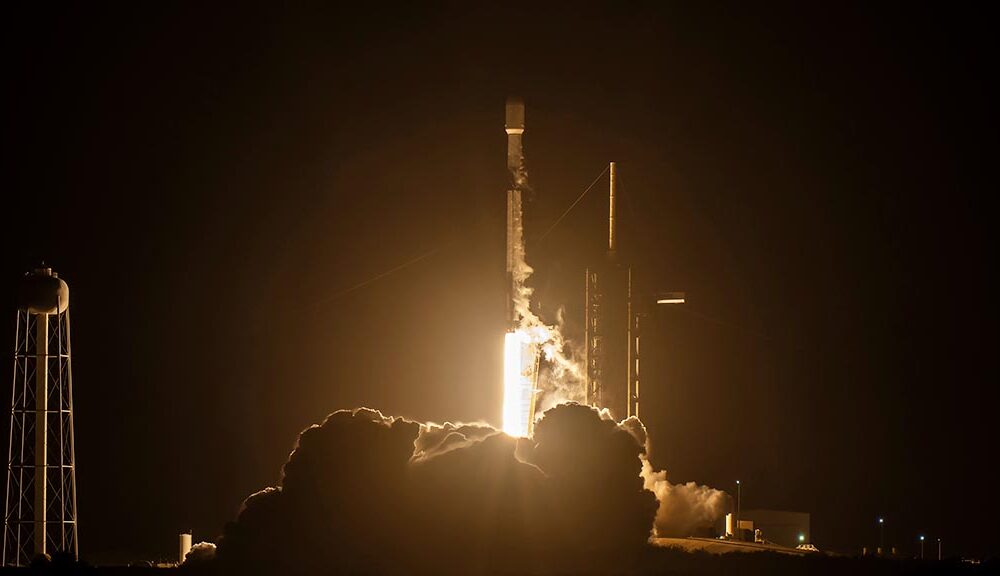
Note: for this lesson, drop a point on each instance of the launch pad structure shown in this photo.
(612, 324)
(614, 314)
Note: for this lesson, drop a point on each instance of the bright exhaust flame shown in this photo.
(520, 368)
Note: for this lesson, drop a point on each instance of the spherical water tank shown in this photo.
(42, 292)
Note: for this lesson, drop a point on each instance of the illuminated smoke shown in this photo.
(200, 553)
(684, 509)
(565, 366)
(563, 377)
(436, 439)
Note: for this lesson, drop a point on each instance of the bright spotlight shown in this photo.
(670, 298)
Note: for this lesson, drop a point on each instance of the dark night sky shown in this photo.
(210, 181)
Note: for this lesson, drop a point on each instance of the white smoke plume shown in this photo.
(561, 378)
(563, 374)
(436, 439)
(685, 509)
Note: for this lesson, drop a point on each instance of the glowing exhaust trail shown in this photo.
(520, 369)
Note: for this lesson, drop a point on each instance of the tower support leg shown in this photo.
(41, 428)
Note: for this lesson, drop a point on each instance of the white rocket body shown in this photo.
(514, 126)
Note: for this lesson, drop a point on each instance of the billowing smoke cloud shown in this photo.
(363, 492)
(561, 379)
(685, 509)
(342, 502)
(435, 439)
(200, 553)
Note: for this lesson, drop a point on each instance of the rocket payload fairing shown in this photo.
(514, 126)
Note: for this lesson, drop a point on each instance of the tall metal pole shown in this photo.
(881, 536)
(739, 494)
(631, 366)
(612, 240)
(939, 549)
(921, 547)
(72, 438)
(41, 427)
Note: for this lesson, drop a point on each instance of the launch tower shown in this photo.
(612, 327)
(40, 509)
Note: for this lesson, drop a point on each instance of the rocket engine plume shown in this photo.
(520, 371)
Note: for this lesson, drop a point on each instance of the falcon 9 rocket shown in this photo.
(521, 354)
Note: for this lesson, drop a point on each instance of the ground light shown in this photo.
(881, 535)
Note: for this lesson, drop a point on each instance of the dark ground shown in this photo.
(669, 563)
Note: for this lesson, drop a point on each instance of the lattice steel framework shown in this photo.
(41, 400)
(594, 336)
(612, 325)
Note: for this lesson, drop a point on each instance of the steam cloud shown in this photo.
(562, 379)
(367, 493)
(684, 508)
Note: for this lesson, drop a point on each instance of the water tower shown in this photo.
(40, 508)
